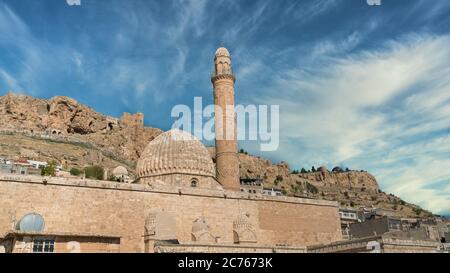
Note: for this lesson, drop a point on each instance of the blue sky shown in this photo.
(358, 86)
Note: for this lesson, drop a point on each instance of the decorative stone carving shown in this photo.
(150, 224)
(200, 231)
(24, 246)
(161, 225)
(243, 230)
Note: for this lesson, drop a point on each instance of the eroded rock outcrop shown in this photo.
(65, 118)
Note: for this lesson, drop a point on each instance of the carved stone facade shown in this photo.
(243, 230)
(140, 215)
(201, 231)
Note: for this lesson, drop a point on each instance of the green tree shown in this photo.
(418, 211)
(94, 172)
(242, 151)
(50, 169)
(313, 169)
(75, 171)
(303, 170)
(112, 178)
(311, 188)
(294, 188)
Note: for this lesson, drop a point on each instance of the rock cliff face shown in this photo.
(256, 167)
(66, 119)
(351, 179)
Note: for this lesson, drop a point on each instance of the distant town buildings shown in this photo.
(252, 185)
(256, 186)
(22, 166)
(348, 216)
(366, 222)
(272, 192)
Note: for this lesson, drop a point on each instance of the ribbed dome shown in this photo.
(222, 51)
(173, 152)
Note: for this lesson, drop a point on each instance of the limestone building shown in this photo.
(180, 201)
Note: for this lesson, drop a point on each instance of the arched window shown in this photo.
(194, 182)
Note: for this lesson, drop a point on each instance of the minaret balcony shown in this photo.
(223, 75)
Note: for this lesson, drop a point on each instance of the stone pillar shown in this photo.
(150, 232)
(149, 242)
(227, 164)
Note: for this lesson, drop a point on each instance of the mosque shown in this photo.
(181, 201)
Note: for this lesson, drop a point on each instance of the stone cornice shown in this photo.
(217, 77)
(196, 192)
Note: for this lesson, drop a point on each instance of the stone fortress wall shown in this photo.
(85, 206)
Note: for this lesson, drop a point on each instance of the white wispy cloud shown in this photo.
(132, 80)
(371, 108)
(307, 10)
(10, 81)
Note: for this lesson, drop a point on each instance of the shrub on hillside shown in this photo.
(94, 172)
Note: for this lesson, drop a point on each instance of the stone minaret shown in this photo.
(227, 164)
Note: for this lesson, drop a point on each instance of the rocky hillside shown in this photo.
(349, 188)
(74, 135)
(64, 119)
(68, 154)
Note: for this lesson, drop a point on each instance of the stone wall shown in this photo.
(380, 244)
(204, 248)
(132, 120)
(390, 245)
(100, 207)
(70, 244)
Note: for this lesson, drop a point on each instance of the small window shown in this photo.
(43, 246)
(194, 183)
